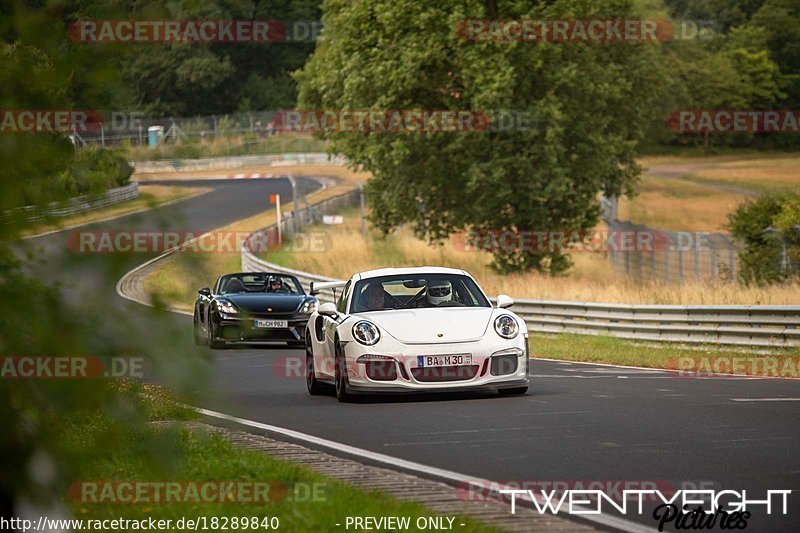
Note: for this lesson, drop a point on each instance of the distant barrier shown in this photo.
(73, 206)
(222, 163)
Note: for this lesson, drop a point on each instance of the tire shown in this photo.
(314, 387)
(200, 338)
(516, 391)
(341, 376)
(213, 343)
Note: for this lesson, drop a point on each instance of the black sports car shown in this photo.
(252, 307)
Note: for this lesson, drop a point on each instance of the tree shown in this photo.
(765, 228)
(588, 104)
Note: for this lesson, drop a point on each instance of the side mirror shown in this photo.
(328, 309)
(205, 291)
(504, 301)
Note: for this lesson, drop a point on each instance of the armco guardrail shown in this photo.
(745, 325)
(217, 163)
(75, 205)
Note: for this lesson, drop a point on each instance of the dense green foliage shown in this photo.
(769, 230)
(588, 105)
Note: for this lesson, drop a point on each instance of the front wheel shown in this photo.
(341, 377)
(213, 343)
(199, 337)
(314, 387)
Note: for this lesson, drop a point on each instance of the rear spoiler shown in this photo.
(316, 287)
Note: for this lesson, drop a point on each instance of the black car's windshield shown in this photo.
(260, 283)
(416, 292)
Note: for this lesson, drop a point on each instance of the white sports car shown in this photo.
(418, 329)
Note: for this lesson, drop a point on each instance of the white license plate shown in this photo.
(424, 361)
(272, 323)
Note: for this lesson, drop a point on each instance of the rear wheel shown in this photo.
(341, 376)
(516, 391)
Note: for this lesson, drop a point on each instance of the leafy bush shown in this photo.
(764, 226)
(95, 171)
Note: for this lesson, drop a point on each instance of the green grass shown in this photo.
(611, 350)
(102, 448)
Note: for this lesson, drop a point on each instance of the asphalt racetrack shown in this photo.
(578, 423)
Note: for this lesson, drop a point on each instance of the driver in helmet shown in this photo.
(438, 292)
(275, 284)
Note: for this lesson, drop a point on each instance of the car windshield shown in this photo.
(260, 283)
(417, 292)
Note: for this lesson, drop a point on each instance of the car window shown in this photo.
(260, 283)
(417, 291)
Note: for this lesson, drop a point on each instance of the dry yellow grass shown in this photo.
(591, 279)
(703, 191)
(679, 205)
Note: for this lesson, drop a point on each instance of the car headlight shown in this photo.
(227, 307)
(506, 326)
(309, 307)
(366, 333)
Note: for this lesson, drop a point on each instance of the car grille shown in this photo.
(444, 373)
(381, 370)
(504, 364)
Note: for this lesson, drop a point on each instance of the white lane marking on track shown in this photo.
(609, 376)
(613, 371)
(562, 362)
(765, 399)
(425, 470)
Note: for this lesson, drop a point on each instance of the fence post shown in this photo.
(731, 262)
(639, 264)
(666, 261)
(696, 255)
(361, 201)
(654, 265)
(680, 266)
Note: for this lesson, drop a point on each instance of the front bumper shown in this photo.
(242, 329)
(492, 367)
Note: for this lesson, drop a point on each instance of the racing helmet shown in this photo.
(439, 291)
